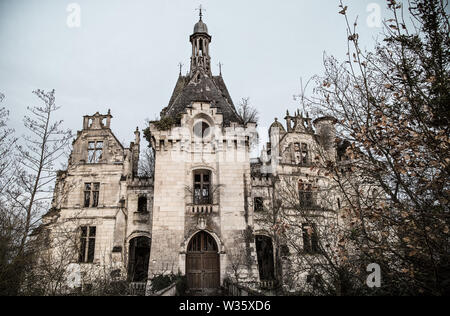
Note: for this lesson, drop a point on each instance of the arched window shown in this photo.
(202, 242)
(264, 252)
(138, 261)
(202, 187)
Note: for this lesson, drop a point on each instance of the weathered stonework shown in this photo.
(145, 226)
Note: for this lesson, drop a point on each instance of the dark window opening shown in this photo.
(95, 152)
(202, 187)
(87, 244)
(201, 47)
(301, 153)
(142, 204)
(139, 257)
(310, 239)
(91, 194)
(264, 251)
(306, 195)
(259, 204)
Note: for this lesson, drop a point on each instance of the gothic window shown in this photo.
(91, 194)
(202, 242)
(310, 239)
(142, 204)
(258, 204)
(87, 244)
(95, 152)
(306, 195)
(202, 187)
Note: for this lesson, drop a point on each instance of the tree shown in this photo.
(8, 222)
(29, 193)
(248, 113)
(147, 163)
(392, 110)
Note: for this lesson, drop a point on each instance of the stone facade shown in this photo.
(204, 181)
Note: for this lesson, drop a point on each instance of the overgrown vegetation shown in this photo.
(162, 282)
(392, 108)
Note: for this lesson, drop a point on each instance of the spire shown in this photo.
(200, 8)
(200, 40)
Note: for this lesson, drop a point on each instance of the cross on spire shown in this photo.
(200, 9)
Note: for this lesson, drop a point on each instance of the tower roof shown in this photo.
(202, 88)
(200, 27)
(200, 85)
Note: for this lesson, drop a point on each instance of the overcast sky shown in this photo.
(125, 54)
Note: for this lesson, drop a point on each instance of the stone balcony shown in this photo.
(202, 208)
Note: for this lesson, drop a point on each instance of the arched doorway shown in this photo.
(203, 263)
(138, 259)
(264, 251)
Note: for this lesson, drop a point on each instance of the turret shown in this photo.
(200, 41)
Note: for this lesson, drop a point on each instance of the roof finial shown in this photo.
(200, 9)
(220, 67)
(180, 64)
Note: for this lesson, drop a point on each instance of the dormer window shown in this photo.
(95, 152)
(301, 153)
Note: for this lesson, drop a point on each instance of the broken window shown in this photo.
(305, 193)
(95, 152)
(91, 194)
(87, 244)
(310, 238)
(301, 153)
(258, 204)
(142, 204)
(202, 183)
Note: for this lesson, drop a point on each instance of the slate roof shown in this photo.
(206, 88)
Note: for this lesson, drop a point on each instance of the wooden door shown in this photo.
(203, 263)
